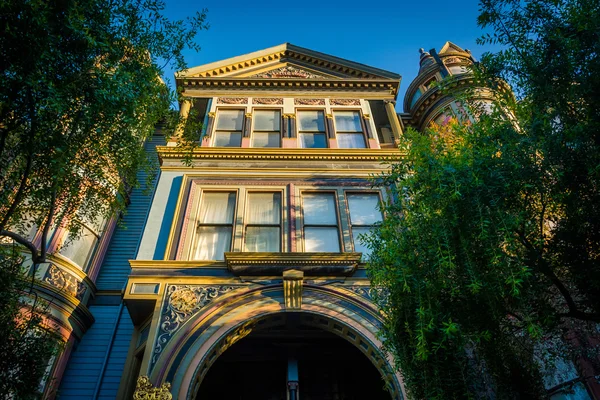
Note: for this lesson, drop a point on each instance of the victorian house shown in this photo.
(241, 274)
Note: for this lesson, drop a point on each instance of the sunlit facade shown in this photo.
(241, 274)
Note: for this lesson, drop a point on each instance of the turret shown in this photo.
(424, 101)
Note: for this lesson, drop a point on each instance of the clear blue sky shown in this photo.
(383, 34)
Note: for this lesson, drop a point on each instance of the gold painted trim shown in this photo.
(273, 154)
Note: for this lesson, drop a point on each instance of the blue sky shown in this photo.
(383, 34)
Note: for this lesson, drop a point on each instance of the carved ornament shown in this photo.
(344, 102)
(309, 102)
(268, 100)
(232, 100)
(451, 60)
(288, 72)
(145, 391)
(64, 281)
(182, 302)
(292, 289)
(237, 335)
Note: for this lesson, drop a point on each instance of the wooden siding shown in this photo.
(125, 241)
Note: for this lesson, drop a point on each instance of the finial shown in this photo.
(421, 50)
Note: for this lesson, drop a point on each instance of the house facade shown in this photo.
(241, 274)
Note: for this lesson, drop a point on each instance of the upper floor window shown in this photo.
(349, 130)
(228, 131)
(364, 214)
(80, 249)
(215, 226)
(321, 229)
(311, 129)
(267, 128)
(263, 222)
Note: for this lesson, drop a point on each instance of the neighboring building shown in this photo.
(240, 274)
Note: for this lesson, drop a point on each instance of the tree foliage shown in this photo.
(489, 249)
(81, 88)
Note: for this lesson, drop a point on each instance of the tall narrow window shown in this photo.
(363, 216)
(348, 130)
(263, 222)
(311, 129)
(321, 232)
(267, 128)
(80, 249)
(228, 132)
(215, 226)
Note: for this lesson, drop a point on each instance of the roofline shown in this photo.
(290, 47)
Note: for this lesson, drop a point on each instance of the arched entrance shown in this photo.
(287, 353)
(332, 319)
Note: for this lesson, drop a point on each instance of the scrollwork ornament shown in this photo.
(144, 390)
(182, 302)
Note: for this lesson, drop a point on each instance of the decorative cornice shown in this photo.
(283, 154)
(315, 264)
(386, 86)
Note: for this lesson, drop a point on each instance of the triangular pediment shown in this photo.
(450, 48)
(287, 61)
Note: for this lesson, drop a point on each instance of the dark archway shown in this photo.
(258, 366)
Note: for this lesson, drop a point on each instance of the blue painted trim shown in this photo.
(107, 354)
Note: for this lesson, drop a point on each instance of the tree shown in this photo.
(489, 250)
(81, 88)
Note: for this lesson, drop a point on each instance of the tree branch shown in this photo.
(21, 240)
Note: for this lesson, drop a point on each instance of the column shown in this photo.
(390, 108)
(184, 112)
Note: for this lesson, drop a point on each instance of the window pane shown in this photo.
(321, 239)
(266, 120)
(358, 246)
(363, 208)
(263, 238)
(217, 208)
(266, 139)
(313, 140)
(228, 139)
(319, 209)
(213, 242)
(347, 121)
(264, 208)
(351, 141)
(80, 249)
(230, 120)
(311, 121)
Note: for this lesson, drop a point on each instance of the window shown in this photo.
(311, 129)
(80, 249)
(267, 131)
(363, 216)
(263, 222)
(458, 69)
(215, 226)
(228, 132)
(321, 232)
(415, 97)
(348, 129)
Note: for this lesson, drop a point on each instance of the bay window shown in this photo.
(321, 229)
(267, 128)
(228, 130)
(263, 222)
(81, 248)
(349, 130)
(215, 226)
(311, 129)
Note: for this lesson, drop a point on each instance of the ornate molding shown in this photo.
(182, 302)
(64, 281)
(344, 102)
(232, 100)
(370, 293)
(288, 72)
(309, 102)
(211, 153)
(144, 390)
(266, 263)
(268, 100)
